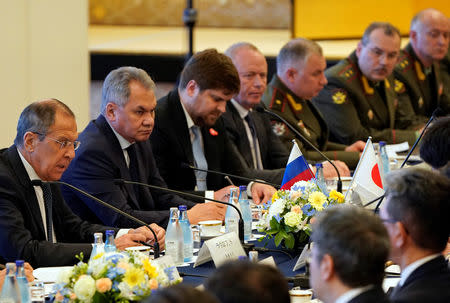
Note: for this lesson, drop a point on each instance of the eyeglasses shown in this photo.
(63, 143)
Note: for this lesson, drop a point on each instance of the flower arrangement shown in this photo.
(111, 277)
(288, 216)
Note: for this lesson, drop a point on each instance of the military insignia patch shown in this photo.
(279, 128)
(278, 101)
(370, 114)
(367, 88)
(420, 75)
(303, 127)
(399, 87)
(297, 107)
(420, 102)
(387, 84)
(339, 97)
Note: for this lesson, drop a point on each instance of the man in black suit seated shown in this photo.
(415, 214)
(350, 249)
(44, 146)
(190, 131)
(251, 131)
(116, 146)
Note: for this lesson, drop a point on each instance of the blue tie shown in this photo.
(199, 157)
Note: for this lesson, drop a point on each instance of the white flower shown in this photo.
(125, 291)
(84, 288)
(292, 219)
(96, 267)
(64, 275)
(277, 207)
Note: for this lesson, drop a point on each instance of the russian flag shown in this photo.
(297, 169)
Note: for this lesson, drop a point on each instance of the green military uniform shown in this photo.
(355, 108)
(418, 88)
(308, 121)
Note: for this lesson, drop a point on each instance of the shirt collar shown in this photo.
(243, 112)
(124, 143)
(29, 169)
(189, 120)
(408, 270)
(352, 293)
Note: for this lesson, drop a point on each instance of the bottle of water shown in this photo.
(174, 237)
(188, 242)
(384, 157)
(97, 246)
(320, 179)
(246, 212)
(10, 291)
(232, 216)
(22, 282)
(110, 245)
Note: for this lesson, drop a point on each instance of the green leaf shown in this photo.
(274, 224)
(289, 241)
(278, 239)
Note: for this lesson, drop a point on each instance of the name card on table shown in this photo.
(306, 253)
(167, 264)
(220, 249)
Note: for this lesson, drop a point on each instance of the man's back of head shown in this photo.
(242, 281)
(350, 249)
(435, 145)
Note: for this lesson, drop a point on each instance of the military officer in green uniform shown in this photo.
(300, 76)
(418, 78)
(359, 100)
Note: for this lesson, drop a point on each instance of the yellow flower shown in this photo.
(275, 196)
(292, 219)
(134, 277)
(335, 195)
(317, 199)
(98, 256)
(149, 269)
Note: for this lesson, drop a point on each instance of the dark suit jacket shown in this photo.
(373, 295)
(99, 161)
(173, 149)
(274, 155)
(22, 234)
(428, 283)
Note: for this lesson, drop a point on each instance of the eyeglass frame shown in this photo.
(62, 144)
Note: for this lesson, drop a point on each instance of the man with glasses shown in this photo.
(415, 215)
(419, 81)
(359, 100)
(35, 223)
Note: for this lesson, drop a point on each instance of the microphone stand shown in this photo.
(241, 220)
(265, 110)
(156, 249)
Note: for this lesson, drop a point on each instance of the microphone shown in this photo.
(436, 113)
(186, 165)
(156, 249)
(241, 220)
(265, 110)
(373, 201)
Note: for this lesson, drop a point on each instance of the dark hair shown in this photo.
(38, 117)
(356, 240)
(420, 199)
(180, 293)
(243, 281)
(435, 146)
(211, 70)
(388, 29)
(116, 88)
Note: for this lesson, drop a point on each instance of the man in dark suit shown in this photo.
(116, 146)
(350, 249)
(300, 77)
(250, 131)
(35, 223)
(360, 100)
(419, 81)
(415, 214)
(190, 131)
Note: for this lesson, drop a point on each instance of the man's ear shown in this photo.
(291, 74)
(30, 140)
(110, 111)
(359, 48)
(326, 267)
(192, 88)
(399, 235)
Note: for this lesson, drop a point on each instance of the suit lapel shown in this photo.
(28, 189)
(240, 130)
(117, 155)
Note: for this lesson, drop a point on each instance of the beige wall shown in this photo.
(44, 54)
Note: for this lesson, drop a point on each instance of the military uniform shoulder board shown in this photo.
(339, 96)
(404, 62)
(399, 87)
(278, 100)
(347, 72)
